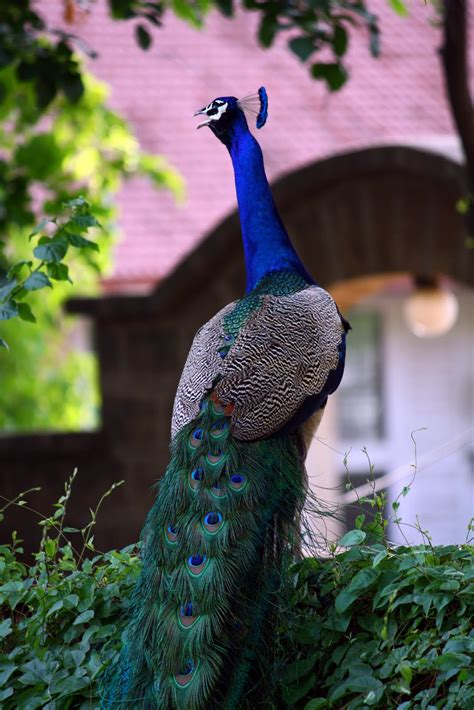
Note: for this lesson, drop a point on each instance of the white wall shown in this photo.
(427, 383)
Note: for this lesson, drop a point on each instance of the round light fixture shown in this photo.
(430, 310)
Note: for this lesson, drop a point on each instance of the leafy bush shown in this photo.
(386, 628)
(48, 156)
(371, 626)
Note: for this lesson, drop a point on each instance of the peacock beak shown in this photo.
(199, 113)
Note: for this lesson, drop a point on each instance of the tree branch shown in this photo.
(456, 75)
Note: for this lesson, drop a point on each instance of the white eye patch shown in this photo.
(215, 110)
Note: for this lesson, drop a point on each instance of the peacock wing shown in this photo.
(203, 366)
(284, 353)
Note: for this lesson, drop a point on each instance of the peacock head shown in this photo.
(226, 113)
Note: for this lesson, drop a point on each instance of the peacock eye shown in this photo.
(212, 522)
(195, 438)
(219, 428)
(187, 615)
(171, 533)
(186, 674)
(197, 564)
(218, 490)
(195, 478)
(237, 481)
(187, 609)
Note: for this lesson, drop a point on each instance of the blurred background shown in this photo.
(372, 170)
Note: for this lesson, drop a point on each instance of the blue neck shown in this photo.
(267, 246)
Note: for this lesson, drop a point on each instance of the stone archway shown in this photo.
(380, 210)
(375, 211)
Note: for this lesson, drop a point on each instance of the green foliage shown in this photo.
(81, 149)
(315, 27)
(60, 616)
(383, 627)
(48, 66)
(311, 26)
(50, 251)
(371, 626)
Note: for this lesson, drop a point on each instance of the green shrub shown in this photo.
(386, 628)
(369, 627)
(61, 616)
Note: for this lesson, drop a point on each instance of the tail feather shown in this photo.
(212, 542)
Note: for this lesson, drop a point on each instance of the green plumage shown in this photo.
(255, 491)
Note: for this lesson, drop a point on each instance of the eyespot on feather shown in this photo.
(186, 616)
(216, 458)
(195, 438)
(197, 564)
(195, 478)
(219, 428)
(171, 534)
(218, 490)
(212, 522)
(185, 675)
(237, 481)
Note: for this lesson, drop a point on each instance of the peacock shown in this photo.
(227, 515)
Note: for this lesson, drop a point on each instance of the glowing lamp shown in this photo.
(430, 310)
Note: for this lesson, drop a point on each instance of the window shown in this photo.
(360, 394)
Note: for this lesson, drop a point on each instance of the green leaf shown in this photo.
(7, 693)
(365, 684)
(6, 290)
(453, 661)
(84, 221)
(268, 29)
(358, 585)
(8, 310)
(374, 41)
(351, 538)
(56, 607)
(6, 670)
(5, 628)
(73, 87)
(39, 228)
(84, 617)
(51, 249)
(50, 547)
(379, 557)
(37, 280)
(463, 204)
(17, 268)
(58, 272)
(407, 673)
(25, 312)
(298, 669)
(41, 156)
(294, 693)
(226, 7)
(45, 90)
(332, 73)
(340, 41)
(303, 47)
(399, 7)
(81, 242)
(316, 704)
(143, 37)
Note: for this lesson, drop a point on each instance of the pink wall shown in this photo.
(398, 97)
